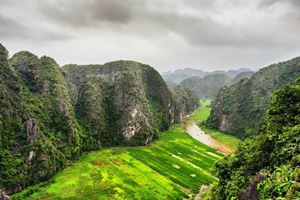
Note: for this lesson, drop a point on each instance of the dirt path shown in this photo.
(192, 129)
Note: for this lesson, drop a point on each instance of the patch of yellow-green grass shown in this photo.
(202, 112)
(222, 137)
(171, 168)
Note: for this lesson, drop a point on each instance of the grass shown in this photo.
(172, 168)
(202, 112)
(201, 115)
(224, 138)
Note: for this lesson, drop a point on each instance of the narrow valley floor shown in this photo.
(193, 130)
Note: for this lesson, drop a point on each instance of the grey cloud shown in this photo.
(12, 28)
(169, 28)
(88, 13)
(134, 14)
(294, 5)
(271, 2)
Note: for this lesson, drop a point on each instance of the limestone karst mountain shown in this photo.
(177, 76)
(50, 115)
(185, 101)
(208, 86)
(238, 109)
(241, 76)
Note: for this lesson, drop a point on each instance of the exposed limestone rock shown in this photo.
(185, 102)
(224, 123)
(31, 155)
(126, 99)
(251, 193)
(31, 128)
(3, 196)
(63, 107)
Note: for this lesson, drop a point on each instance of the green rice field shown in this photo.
(172, 168)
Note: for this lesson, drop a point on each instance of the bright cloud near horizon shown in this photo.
(167, 34)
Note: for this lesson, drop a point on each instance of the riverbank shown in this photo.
(193, 130)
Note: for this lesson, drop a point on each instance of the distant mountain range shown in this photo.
(208, 86)
(179, 75)
(205, 84)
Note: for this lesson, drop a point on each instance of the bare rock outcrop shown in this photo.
(31, 129)
(3, 196)
(251, 193)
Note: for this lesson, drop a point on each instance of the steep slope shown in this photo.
(39, 132)
(50, 115)
(234, 72)
(120, 102)
(208, 86)
(185, 101)
(241, 76)
(47, 121)
(238, 109)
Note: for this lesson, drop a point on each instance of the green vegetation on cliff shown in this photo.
(185, 101)
(121, 102)
(50, 115)
(238, 109)
(242, 75)
(38, 129)
(267, 165)
(171, 168)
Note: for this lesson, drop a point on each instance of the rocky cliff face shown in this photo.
(49, 115)
(127, 100)
(185, 102)
(38, 129)
(238, 109)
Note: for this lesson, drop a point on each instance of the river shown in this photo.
(198, 134)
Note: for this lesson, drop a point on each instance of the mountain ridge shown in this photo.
(177, 76)
(239, 108)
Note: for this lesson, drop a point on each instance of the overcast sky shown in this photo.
(167, 34)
